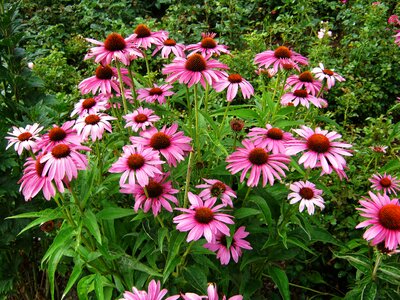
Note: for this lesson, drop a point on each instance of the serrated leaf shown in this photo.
(280, 279)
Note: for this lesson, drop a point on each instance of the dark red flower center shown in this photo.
(385, 182)
(47, 226)
(142, 31)
(154, 189)
(204, 215)
(160, 140)
(88, 103)
(258, 156)
(57, 134)
(282, 52)
(196, 63)
(135, 161)
(223, 241)
(236, 125)
(92, 119)
(104, 72)
(287, 66)
(60, 151)
(39, 166)
(235, 78)
(328, 72)
(140, 118)
(306, 77)
(389, 216)
(114, 42)
(318, 143)
(275, 133)
(300, 93)
(155, 91)
(24, 136)
(217, 189)
(306, 193)
(208, 43)
(169, 42)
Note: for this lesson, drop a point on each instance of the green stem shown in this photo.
(206, 97)
(121, 87)
(376, 266)
(278, 77)
(133, 88)
(223, 119)
(147, 67)
(196, 122)
(188, 174)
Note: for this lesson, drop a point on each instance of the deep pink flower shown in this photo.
(307, 194)
(208, 46)
(194, 69)
(171, 144)
(303, 98)
(66, 134)
(144, 38)
(233, 82)
(216, 189)
(154, 293)
(397, 38)
(140, 119)
(115, 47)
(156, 93)
(340, 172)
(386, 183)
(24, 138)
(137, 163)
(238, 243)
(90, 106)
(212, 294)
(168, 46)
(320, 147)
(272, 138)
(394, 20)
(93, 125)
(156, 194)
(384, 216)
(259, 162)
(280, 58)
(202, 219)
(321, 73)
(304, 81)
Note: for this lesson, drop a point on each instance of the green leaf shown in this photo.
(320, 234)
(52, 267)
(368, 292)
(280, 279)
(162, 233)
(196, 277)
(111, 213)
(85, 286)
(262, 204)
(98, 287)
(245, 212)
(133, 264)
(172, 259)
(63, 238)
(90, 221)
(75, 274)
(298, 243)
(389, 273)
(360, 262)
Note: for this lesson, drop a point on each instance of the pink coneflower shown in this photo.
(171, 144)
(202, 219)
(304, 81)
(168, 46)
(303, 98)
(280, 58)
(34, 180)
(156, 194)
(194, 69)
(272, 138)
(63, 162)
(24, 138)
(138, 164)
(208, 46)
(321, 73)
(224, 253)
(394, 20)
(93, 125)
(216, 189)
(386, 183)
(233, 82)
(140, 119)
(154, 293)
(340, 172)
(307, 194)
(397, 38)
(90, 106)
(156, 93)
(115, 47)
(384, 216)
(212, 294)
(379, 148)
(66, 134)
(144, 38)
(259, 162)
(320, 147)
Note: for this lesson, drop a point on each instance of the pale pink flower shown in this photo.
(329, 75)
(143, 37)
(156, 93)
(304, 81)
(202, 219)
(307, 194)
(280, 58)
(168, 46)
(208, 46)
(141, 119)
(66, 134)
(93, 125)
(154, 293)
(386, 183)
(173, 145)
(320, 146)
(90, 106)
(273, 139)
(212, 294)
(259, 162)
(384, 216)
(224, 253)
(194, 69)
(137, 163)
(303, 98)
(216, 189)
(340, 172)
(154, 195)
(115, 47)
(397, 38)
(233, 82)
(24, 138)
